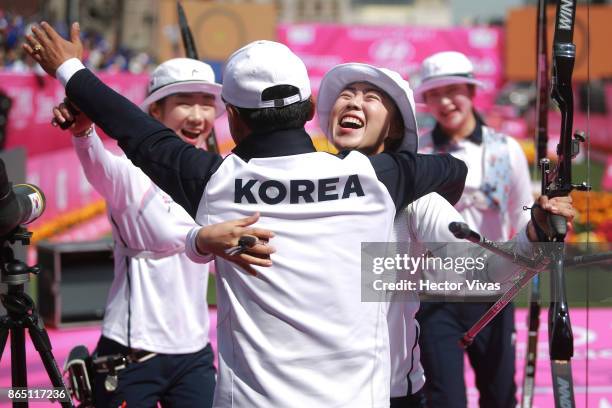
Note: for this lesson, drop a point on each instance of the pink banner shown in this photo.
(33, 98)
(399, 48)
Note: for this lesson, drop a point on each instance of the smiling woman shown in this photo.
(371, 109)
(364, 118)
(190, 115)
(360, 106)
(183, 96)
(493, 200)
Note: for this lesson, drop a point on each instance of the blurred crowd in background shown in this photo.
(99, 53)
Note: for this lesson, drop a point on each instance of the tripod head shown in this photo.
(15, 274)
(13, 271)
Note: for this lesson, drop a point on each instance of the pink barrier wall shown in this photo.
(398, 48)
(33, 98)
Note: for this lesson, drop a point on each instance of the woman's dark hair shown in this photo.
(394, 144)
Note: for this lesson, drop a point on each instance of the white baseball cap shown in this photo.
(261, 65)
(183, 75)
(445, 68)
(339, 77)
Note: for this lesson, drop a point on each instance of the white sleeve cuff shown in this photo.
(84, 142)
(68, 69)
(191, 249)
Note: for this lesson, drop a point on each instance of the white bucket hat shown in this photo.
(339, 77)
(261, 65)
(183, 75)
(445, 68)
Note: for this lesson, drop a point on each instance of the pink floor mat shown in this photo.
(592, 363)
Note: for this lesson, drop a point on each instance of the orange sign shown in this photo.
(218, 29)
(521, 42)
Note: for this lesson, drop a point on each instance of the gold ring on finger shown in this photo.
(37, 48)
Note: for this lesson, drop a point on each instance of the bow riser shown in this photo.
(559, 182)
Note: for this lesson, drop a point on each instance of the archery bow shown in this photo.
(541, 141)
(192, 52)
(555, 183)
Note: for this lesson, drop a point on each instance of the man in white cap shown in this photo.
(297, 334)
(155, 344)
(497, 188)
(371, 109)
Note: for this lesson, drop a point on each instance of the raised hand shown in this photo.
(49, 49)
(219, 238)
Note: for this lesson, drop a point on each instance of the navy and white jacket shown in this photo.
(298, 334)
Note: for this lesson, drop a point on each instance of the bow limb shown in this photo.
(191, 51)
(541, 142)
